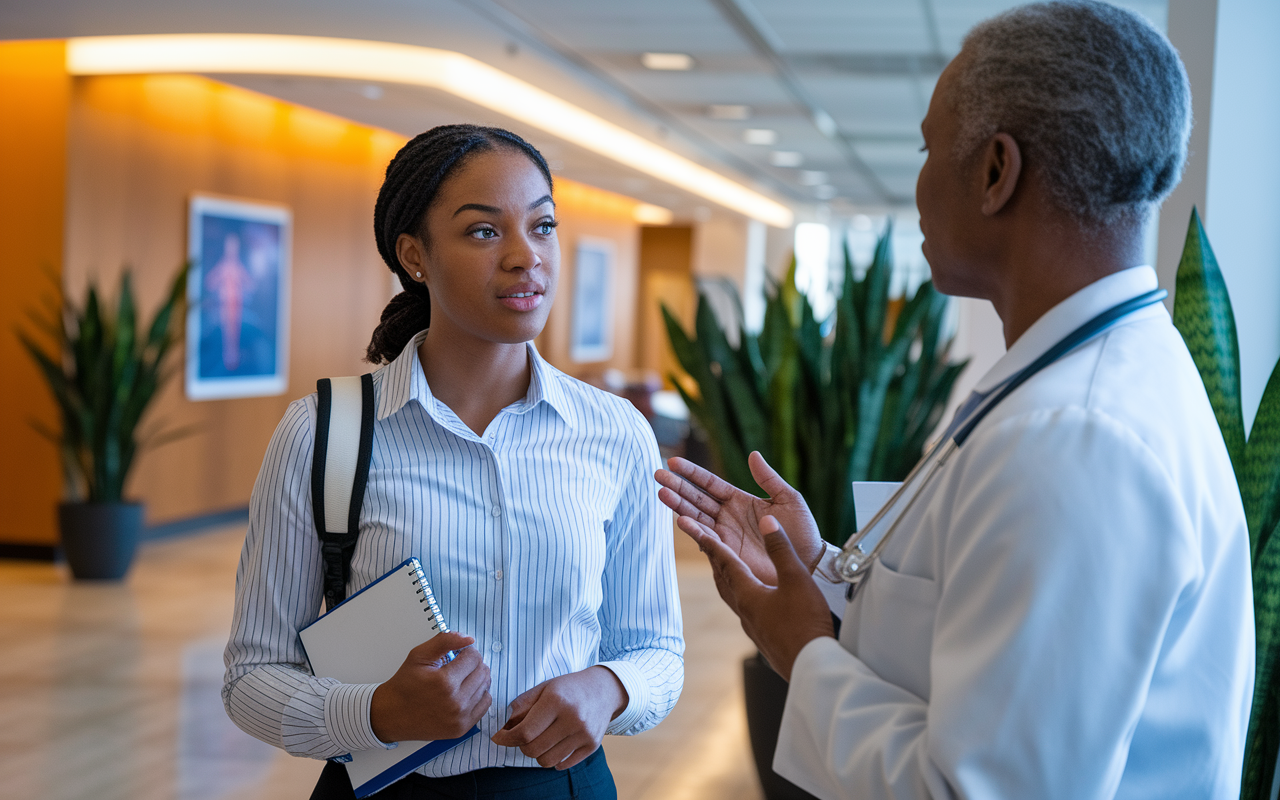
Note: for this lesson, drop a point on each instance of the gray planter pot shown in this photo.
(99, 539)
(766, 696)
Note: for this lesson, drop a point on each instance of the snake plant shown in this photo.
(1202, 314)
(826, 402)
(103, 373)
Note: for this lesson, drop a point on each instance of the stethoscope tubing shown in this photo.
(853, 563)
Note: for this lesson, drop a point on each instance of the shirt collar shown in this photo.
(1065, 317)
(404, 381)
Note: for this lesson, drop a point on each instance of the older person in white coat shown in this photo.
(1065, 612)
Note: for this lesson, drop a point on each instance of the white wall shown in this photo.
(1242, 203)
(1233, 172)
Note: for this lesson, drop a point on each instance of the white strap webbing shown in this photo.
(343, 452)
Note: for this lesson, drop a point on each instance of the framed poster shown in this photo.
(238, 298)
(591, 330)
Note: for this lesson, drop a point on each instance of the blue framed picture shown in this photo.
(238, 298)
(591, 331)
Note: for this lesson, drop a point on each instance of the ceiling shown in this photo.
(843, 84)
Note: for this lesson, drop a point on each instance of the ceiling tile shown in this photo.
(847, 26)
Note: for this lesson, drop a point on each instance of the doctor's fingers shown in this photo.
(768, 478)
(782, 553)
(697, 530)
(686, 499)
(730, 572)
(718, 488)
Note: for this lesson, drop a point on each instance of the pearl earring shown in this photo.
(419, 274)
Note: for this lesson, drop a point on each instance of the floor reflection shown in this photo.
(215, 758)
(114, 691)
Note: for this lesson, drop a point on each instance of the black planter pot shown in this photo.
(766, 696)
(99, 539)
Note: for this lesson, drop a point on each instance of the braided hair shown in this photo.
(412, 182)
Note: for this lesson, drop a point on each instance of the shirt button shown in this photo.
(497, 647)
(497, 576)
(497, 511)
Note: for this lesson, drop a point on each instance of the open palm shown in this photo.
(709, 504)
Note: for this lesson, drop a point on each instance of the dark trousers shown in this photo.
(590, 780)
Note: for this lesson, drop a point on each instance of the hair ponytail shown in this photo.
(412, 181)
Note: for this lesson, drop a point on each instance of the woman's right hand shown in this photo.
(429, 698)
(708, 504)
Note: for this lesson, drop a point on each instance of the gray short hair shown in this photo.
(1096, 98)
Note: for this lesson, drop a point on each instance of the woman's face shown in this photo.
(491, 258)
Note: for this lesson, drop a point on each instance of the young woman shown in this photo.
(525, 493)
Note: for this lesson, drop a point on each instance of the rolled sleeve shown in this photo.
(346, 717)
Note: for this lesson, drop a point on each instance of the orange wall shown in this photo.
(138, 147)
(34, 95)
(666, 278)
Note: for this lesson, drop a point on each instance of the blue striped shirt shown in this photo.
(543, 539)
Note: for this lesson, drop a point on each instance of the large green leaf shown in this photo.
(1263, 740)
(1202, 313)
(1260, 476)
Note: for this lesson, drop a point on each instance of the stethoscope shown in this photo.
(854, 563)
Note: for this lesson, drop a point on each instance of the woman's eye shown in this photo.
(546, 228)
(484, 233)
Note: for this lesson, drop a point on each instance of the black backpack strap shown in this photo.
(339, 473)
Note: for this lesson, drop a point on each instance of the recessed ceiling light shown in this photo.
(668, 61)
(729, 112)
(384, 63)
(763, 136)
(824, 192)
(785, 158)
(647, 214)
(812, 177)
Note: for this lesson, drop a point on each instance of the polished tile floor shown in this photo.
(112, 691)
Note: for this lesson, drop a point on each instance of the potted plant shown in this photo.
(103, 371)
(1202, 313)
(827, 402)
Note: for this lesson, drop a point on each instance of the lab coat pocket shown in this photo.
(895, 634)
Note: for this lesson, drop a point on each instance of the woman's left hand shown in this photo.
(561, 721)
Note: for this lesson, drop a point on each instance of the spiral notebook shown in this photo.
(365, 639)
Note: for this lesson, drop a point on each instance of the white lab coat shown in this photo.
(1066, 612)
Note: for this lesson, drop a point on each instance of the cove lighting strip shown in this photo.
(457, 74)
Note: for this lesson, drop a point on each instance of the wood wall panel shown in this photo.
(666, 278)
(35, 94)
(139, 147)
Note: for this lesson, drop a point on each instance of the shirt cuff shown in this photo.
(637, 696)
(346, 717)
(833, 591)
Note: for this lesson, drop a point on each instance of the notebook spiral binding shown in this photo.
(428, 597)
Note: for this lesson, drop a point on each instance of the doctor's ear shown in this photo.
(1001, 163)
(413, 256)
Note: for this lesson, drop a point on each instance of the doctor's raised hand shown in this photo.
(781, 619)
(706, 504)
